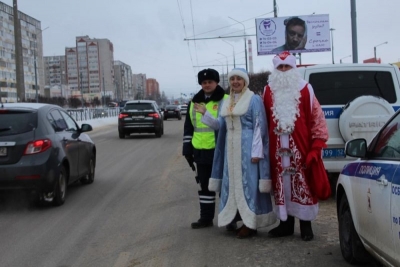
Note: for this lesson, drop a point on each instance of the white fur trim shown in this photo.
(284, 58)
(214, 185)
(241, 107)
(264, 185)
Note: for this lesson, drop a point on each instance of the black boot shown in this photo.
(207, 210)
(306, 230)
(285, 228)
(201, 224)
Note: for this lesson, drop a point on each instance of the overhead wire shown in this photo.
(194, 34)
(184, 30)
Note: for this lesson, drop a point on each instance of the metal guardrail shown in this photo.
(82, 114)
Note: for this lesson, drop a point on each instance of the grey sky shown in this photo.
(149, 34)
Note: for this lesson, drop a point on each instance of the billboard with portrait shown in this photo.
(297, 34)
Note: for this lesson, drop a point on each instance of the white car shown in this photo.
(368, 198)
(183, 109)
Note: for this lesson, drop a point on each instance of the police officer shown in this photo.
(199, 141)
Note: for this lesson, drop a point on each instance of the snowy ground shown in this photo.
(95, 123)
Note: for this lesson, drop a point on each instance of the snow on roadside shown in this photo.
(95, 123)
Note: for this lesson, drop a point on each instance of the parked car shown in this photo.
(183, 109)
(368, 198)
(357, 100)
(99, 113)
(140, 116)
(172, 111)
(43, 150)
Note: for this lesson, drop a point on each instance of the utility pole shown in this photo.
(354, 30)
(104, 91)
(19, 63)
(275, 11)
(34, 64)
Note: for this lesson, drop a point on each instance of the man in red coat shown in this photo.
(297, 133)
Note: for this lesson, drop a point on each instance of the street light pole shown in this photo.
(227, 70)
(81, 87)
(376, 47)
(333, 58)
(244, 34)
(234, 61)
(223, 80)
(34, 65)
(344, 58)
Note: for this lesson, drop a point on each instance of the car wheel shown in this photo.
(89, 178)
(352, 249)
(60, 190)
(165, 118)
(158, 132)
(180, 117)
(121, 135)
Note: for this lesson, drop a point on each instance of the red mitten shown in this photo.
(315, 151)
(313, 155)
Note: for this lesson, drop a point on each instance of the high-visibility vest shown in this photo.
(203, 135)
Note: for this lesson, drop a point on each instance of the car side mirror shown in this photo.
(86, 128)
(356, 148)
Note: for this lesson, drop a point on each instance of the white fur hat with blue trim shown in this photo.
(241, 73)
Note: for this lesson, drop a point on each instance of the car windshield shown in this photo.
(17, 122)
(171, 107)
(138, 106)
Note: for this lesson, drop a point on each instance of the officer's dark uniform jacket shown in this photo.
(199, 142)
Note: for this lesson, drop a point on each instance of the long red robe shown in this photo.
(289, 174)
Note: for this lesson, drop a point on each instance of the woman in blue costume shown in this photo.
(241, 171)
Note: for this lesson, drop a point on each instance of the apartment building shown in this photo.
(90, 68)
(139, 85)
(152, 89)
(55, 77)
(123, 81)
(32, 50)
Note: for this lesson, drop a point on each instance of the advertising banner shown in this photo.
(297, 34)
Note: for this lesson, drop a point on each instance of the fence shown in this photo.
(83, 114)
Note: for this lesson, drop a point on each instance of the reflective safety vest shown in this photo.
(203, 135)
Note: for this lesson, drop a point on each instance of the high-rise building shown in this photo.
(139, 85)
(123, 80)
(152, 89)
(55, 76)
(90, 68)
(32, 49)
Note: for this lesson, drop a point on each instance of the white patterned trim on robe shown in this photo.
(249, 218)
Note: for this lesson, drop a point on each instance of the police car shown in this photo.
(357, 100)
(368, 198)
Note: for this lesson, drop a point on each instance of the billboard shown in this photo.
(297, 34)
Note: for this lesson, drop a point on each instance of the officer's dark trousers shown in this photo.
(207, 198)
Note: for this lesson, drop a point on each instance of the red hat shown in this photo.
(284, 58)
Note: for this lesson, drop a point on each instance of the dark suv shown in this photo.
(172, 111)
(140, 116)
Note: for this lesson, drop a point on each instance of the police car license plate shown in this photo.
(3, 151)
(333, 153)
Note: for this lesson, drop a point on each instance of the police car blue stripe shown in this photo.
(372, 170)
(334, 113)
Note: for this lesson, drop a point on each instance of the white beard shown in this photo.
(286, 98)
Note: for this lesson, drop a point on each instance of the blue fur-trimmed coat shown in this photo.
(244, 185)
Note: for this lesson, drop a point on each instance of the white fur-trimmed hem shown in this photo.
(264, 186)
(214, 185)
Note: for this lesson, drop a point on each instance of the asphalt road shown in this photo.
(138, 213)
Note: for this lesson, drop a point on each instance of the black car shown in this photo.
(140, 116)
(99, 113)
(172, 111)
(42, 149)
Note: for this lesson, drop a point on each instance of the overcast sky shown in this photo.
(149, 34)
